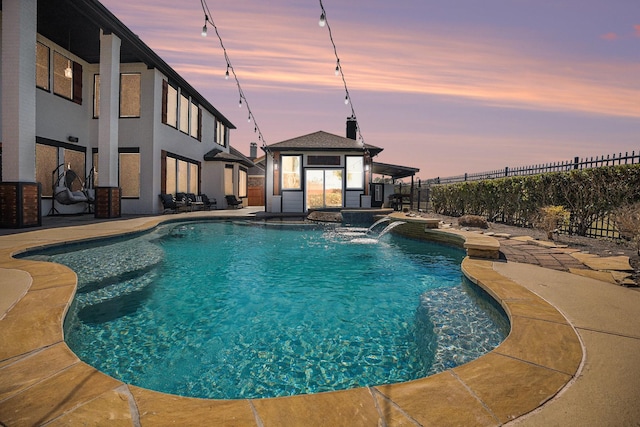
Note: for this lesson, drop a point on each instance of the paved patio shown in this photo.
(571, 358)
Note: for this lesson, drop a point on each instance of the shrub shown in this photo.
(550, 218)
(472, 221)
(627, 219)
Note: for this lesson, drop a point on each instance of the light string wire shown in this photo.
(325, 22)
(208, 19)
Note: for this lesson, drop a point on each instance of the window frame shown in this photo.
(348, 172)
(46, 88)
(120, 101)
(284, 173)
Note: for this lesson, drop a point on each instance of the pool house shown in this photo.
(82, 93)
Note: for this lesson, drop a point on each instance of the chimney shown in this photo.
(352, 127)
(253, 151)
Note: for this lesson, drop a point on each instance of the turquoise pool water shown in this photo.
(228, 310)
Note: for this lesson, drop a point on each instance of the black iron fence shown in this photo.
(563, 166)
(602, 227)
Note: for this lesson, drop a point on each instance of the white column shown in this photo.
(18, 77)
(109, 110)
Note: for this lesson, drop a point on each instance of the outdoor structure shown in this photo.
(81, 92)
(319, 171)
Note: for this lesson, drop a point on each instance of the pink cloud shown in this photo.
(637, 28)
(609, 36)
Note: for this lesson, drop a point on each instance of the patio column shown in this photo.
(20, 204)
(108, 195)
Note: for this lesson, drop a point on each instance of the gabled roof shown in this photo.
(234, 156)
(323, 141)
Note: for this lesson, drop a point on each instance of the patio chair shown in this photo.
(232, 201)
(207, 203)
(169, 203)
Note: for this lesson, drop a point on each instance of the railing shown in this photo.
(563, 166)
(601, 227)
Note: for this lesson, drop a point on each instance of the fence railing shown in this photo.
(601, 228)
(562, 166)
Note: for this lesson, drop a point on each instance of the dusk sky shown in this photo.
(445, 86)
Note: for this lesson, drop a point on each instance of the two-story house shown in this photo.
(81, 91)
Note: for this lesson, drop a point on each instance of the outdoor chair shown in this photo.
(233, 202)
(169, 203)
(207, 203)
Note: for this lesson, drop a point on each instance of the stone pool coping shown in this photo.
(43, 381)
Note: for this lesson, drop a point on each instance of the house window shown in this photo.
(130, 95)
(129, 172)
(172, 178)
(291, 172)
(67, 78)
(181, 175)
(355, 172)
(193, 178)
(169, 104)
(220, 133)
(228, 180)
(242, 183)
(323, 160)
(194, 117)
(184, 113)
(46, 164)
(42, 66)
(48, 157)
(96, 96)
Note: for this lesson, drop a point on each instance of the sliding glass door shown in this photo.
(323, 188)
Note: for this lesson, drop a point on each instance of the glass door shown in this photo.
(323, 188)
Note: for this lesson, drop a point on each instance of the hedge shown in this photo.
(588, 194)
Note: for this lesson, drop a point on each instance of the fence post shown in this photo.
(506, 171)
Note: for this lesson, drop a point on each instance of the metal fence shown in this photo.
(601, 227)
(563, 166)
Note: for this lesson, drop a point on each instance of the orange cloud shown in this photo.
(609, 36)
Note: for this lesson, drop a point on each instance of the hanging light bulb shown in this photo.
(240, 103)
(226, 75)
(323, 20)
(204, 27)
(249, 118)
(68, 72)
(338, 67)
(346, 99)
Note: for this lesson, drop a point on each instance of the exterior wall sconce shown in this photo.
(72, 138)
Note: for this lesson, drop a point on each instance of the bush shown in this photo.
(627, 219)
(550, 218)
(473, 221)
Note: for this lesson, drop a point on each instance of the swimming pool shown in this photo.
(223, 310)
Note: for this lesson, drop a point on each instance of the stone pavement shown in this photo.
(546, 254)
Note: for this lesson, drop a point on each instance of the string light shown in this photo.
(204, 27)
(347, 99)
(231, 71)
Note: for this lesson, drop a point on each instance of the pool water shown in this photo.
(227, 310)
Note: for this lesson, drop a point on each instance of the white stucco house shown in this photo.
(81, 91)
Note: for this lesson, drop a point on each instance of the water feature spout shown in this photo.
(380, 221)
(390, 227)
